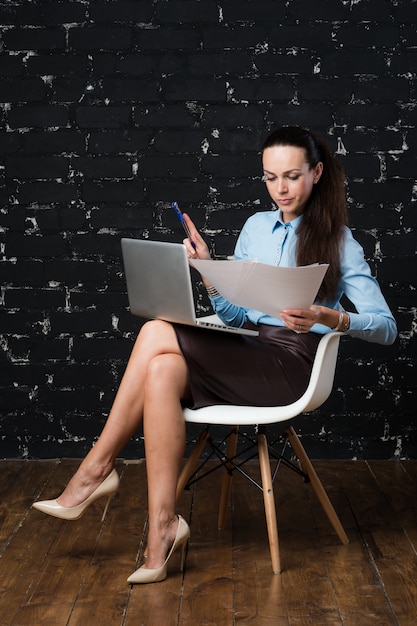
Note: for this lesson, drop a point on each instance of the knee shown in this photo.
(154, 334)
(160, 367)
(164, 374)
(153, 328)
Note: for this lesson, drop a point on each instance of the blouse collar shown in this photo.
(280, 222)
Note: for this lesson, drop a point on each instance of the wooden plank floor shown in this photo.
(61, 573)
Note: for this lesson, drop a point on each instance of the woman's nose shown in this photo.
(281, 185)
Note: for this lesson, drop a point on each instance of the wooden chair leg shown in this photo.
(316, 483)
(227, 477)
(269, 502)
(191, 462)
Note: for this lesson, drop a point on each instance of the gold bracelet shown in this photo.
(212, 291)
(342, 324)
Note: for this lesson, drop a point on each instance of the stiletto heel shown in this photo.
(183, 552)
(145, 575)
(108, 488)
(107, 506)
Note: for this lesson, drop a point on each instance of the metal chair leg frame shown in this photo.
(227, 476)
(227, 460)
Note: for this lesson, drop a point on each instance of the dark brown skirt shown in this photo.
(272, 369)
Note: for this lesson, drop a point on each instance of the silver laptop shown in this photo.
(159, 285)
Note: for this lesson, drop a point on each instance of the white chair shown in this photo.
(318, 390)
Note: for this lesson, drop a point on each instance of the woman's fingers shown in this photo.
(200, 249)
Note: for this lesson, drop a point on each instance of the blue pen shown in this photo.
(182, 220)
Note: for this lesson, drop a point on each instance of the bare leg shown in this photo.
(164, 429)
(156, 338)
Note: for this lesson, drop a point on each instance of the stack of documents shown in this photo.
(263, 287)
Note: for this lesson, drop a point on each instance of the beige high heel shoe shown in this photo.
(145, 575)
(108, 488)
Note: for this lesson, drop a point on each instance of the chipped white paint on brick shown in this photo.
(82, 223)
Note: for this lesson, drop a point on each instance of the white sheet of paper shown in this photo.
(263, 287)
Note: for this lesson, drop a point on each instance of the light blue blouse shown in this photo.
(266, 238)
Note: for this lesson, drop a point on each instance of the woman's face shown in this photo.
(289, 178)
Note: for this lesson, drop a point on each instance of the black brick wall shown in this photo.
(112, 109)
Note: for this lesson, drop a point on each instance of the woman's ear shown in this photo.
(318, 170)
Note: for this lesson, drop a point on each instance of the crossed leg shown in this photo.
(151, 390)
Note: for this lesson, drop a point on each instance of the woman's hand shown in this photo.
(301, 320)
(200, 251)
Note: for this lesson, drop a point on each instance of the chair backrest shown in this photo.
(317, 392)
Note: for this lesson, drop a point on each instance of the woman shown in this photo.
(172, 365)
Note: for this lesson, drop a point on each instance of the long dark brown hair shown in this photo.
(320, 233)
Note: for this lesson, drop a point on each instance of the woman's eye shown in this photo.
(272, 179)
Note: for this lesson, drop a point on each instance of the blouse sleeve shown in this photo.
(230, 314)
(372, 320)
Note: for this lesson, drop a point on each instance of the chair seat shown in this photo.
(235, 415)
